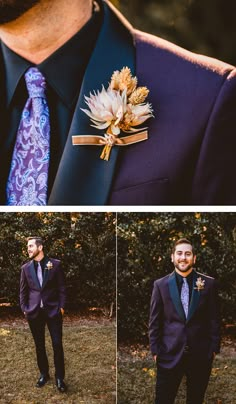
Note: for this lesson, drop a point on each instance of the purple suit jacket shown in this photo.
(189, 158)
(170, 331)
(52, 292)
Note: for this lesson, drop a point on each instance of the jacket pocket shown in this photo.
(154, 192)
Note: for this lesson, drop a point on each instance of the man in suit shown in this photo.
(184, 327)
(188, 158)
(42, 300)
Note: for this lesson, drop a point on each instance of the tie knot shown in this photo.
(185, 280)
(35, 83)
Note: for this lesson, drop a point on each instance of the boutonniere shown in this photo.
(120, 107)
(49, 265)
(200, 284)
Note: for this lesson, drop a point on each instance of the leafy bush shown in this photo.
(84, 242)
(179, 22)
(144, 247)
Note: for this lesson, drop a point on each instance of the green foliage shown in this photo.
(203, 26)
(84, 242)
(144, 248)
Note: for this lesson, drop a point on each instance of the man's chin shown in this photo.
(11, 10)
(184, 269)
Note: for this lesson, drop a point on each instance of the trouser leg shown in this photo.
(197, 374)
(55, 329)
(167, 384)
(37, 327)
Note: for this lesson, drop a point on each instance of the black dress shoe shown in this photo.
(61, 386)
(42, 380)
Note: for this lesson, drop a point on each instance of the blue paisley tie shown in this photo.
(184, 296)
(28, 178)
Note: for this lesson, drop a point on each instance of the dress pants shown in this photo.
(37, 327)
(197, 371)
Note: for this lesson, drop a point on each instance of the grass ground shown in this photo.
(137, 375)
(90, 360)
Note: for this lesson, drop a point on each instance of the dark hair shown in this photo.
(182, 241)
(38, 240)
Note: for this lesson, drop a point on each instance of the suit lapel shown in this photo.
(33, 274)
(194, 299)
(82, 177)
(45, 272)
(174, 293)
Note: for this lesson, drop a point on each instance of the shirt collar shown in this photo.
(180, 277)
(42, 262)
(15, 67)
(72, 59)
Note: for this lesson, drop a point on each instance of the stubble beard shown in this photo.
(10, 10)
(34, 255)
(185, 269)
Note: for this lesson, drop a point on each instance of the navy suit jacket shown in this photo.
(170, 331)
(52, 292)
(189, 157)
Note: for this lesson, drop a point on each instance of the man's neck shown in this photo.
(184, 274)
(39, 257)
(45, 28)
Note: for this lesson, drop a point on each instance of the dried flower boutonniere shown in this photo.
(200, 284)
(121, 107)
(49, 265)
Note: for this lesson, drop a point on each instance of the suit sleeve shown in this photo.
(215, 319)
(61, 286)
(155, 322)
(24, 290)
(214, 181)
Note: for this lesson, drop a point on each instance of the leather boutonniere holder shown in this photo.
(49, 265)
(200, 284)
(120, 108)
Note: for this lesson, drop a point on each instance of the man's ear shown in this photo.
(194, 258)
(172, 257)
(40, 247)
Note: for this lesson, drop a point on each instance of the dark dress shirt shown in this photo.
(42, 264)
(179, 280)
(64, 71)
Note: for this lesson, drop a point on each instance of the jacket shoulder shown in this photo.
(25, 265)
(55, 260)
(161, 281)
(159, 50)
(205, 277)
